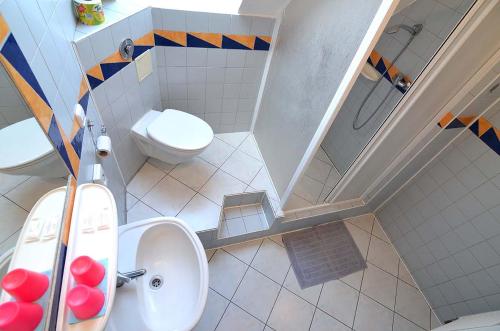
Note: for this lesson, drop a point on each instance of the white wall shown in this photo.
(316, 44)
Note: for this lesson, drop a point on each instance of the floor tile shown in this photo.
(234, 138)
(28, 192)
(13, 218)
(380, 286)
(272, 260)
(277, 239)
(237, 319)
(256, 294)
(354, 279)
(249, 146)
(372, 316)
(225, 273)
(8, 182)
(402, 324)
(163, 166)
(379, 233)
(318, 170)
(360, 237)
(194, 173)
(291, 313)
(405, 275)
(339, 300)
(217, 152)
(147, 177)
(296, 202)
(236, 227)
(169, 196)
(242, 166)
(221, 184)
(434, 321)
(10, 242)
(254, 223)
(383, 256)
(364, 222)
(200, 213)
(209, 253)
(244, 251)
(262, 182)
(324, 322)
(130, 201)
(411, 304)
(310, 294)
(308, 189)
(140, 212)
(214, 309)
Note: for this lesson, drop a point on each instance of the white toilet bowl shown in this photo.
(25, 150)
(171, 136)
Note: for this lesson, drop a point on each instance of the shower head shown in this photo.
(413, 30)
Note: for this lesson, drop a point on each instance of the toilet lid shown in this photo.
(22, 143)
(180, 130)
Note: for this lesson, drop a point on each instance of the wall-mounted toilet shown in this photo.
(171, 136)
(27, 151)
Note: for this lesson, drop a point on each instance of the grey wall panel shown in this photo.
(316, 44)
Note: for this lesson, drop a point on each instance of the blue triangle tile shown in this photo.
(228, 43)
(15, 56)
(161, 41)
(138, 50)
(84, 101)
(193, 41)
(77, 142)
(56, 138)
(261, 45)
(94, 82)
(109, 69)
(490, 138)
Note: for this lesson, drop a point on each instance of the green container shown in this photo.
(89, 12)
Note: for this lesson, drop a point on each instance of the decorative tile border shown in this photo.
(481, 127)
(381, 64)
(18, 68)
(114, 63)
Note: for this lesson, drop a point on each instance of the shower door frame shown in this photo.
(450, 48)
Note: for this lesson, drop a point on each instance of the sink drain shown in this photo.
(156, 282)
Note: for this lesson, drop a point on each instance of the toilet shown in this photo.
(171, 136)
(26, 150)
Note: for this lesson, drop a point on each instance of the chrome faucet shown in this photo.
(123, 278)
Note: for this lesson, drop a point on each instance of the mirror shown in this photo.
(33, 193)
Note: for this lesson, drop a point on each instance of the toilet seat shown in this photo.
(13, 139)
(180, 130)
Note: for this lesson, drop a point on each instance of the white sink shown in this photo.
(172, 255)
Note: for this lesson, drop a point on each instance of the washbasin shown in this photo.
(173, 292)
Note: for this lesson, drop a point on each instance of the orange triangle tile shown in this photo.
(146, 40)
(375, 57)
(96, 72)
(211, 38)
(483, 126)
(114, 58)
(446, 119)
(4, 29)
(178, 37)
(466, 120)
(248, 41)
(266, 38)
(84, 88)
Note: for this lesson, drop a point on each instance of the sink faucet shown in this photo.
(126, 277)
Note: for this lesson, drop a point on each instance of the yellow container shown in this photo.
(89, 12)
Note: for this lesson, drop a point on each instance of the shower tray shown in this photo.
(245, 213)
